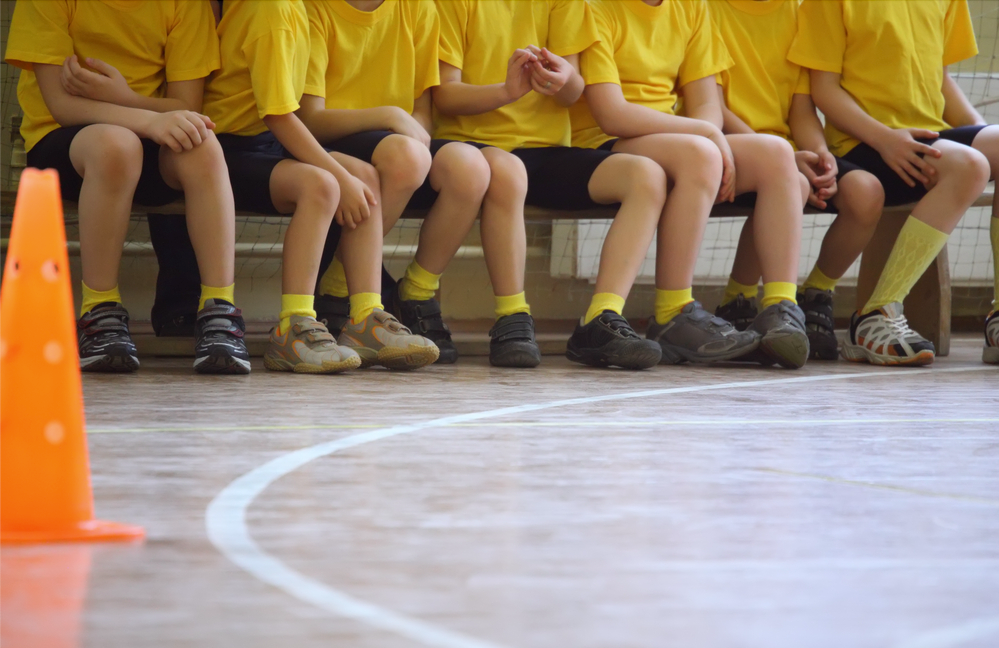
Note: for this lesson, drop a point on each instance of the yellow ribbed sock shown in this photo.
(916, 247)
(362, 304)
(511, 304)
(93, 297)
(334, 280)
(818, 280)
(734, 289)
(994, 230)
(295, 305)
(207, 292)
(778, 291)
(669, 303)
(603, 302)
(418, 284)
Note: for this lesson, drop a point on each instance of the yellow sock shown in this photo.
(334, 280)
(295, 305)
(207, 292)
(734, 289)
(917, 245)
(603, 302)
(511, 304)
(669, 303)
(778, 291)
(818, 279)
(362, 304)
(994, 230)
(418, 283)
(93, 297)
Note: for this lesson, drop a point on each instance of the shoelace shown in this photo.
(899, 327)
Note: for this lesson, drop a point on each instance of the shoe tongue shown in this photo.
(209, 303)
(893, 310)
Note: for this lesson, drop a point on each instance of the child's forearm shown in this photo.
(423, 111)
(806, 129)
(69, 110)
(297, 140)
(328, 124)
(732, 124)
(456, 98)
(958, 110)
(619, 118)
(571, 91)
(843, 111)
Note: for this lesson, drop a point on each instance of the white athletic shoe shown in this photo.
(990, 354)
(883, 337)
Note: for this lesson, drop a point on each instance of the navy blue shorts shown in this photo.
(251, 160)
(558, 177)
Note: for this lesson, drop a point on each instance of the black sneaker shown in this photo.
(176, 325)
(512, 343)
(695, 335)
(782, 326)
(740, 312)
(105, 344)
(333, 312)
(220, 348)
(608, 341)
(818, 307)
(423, 317)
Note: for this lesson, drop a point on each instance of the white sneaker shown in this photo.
(990, 354)
(883, 337)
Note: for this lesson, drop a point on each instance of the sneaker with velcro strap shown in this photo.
(990, 354)
(819, 324)
(381, 339)
(784, 338)
(609, 341)
(740, 312)
(695, 335)
(423, 317)
(220, 347)
(104, 340)
(307, 347)
(512, 342)
(333, 313)
(883, 337)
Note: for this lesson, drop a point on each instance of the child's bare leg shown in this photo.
(504, 236)
(859, 201)
(109, 158)
(402, 163)
(987, 143)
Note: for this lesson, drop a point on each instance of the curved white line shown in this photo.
(225, 518)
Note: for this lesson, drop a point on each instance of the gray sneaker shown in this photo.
(784, 338)
(696, 335)
(382, 339)
(307, 347)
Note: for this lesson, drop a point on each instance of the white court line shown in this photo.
(956, 635)
(225, 517)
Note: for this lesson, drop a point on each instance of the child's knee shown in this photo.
(862, 197)
(645, 179)
(969, 167)
(463, 170)
(402, 162)
(507, 178)
(702, 162)
(320, 193)
(116, 153)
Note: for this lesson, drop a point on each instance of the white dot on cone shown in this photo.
(54, 432)
(49, 271)
(3, 348)
(52, 352)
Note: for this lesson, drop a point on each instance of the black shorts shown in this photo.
(608, 145)
(251, 160)
(362, 146)
(748, 200)
(896, 191)
(52, 152)
(558, 177)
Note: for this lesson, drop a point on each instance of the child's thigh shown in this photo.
(987, 143)
(292, 183)
(676, 153)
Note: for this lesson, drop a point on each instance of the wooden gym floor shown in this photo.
(840, 506)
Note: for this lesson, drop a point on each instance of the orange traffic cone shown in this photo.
(44, 471)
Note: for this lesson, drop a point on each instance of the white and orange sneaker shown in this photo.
(883, 337)
(382, 339)
(307, 347)
(990, 354)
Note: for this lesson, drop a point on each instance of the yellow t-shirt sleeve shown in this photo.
(426, 44)
(596, 63)
(821, 39)
(271, 59)
(804, 85)
(39, 33)
(959, 33)
(706, 53)
(319, 54)
(192, 46)
(453, 16)
(571, 28)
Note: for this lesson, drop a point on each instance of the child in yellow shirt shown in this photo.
(121, 124)
(765, 93)
(368, 95)
(509, 72)
(913, 129)
(649, 53)
(278, 167)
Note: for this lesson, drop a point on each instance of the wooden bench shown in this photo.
(928, 306)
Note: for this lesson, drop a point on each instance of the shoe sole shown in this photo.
(637, 358)
(990, 355)
(823, 346)
(222, 364)
(788, 349)
(673, 354)
(857, 353)
(516, 355)
(279, 364)
(110, 363)
(408, 359)
(447, 356)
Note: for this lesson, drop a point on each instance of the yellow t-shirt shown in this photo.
(478, 37)
(651, 52)
(890, 54)
(366, 59)
(761, 84)
(150, 42)
(265, 54)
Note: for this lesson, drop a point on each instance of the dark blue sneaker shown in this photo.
(105, 344)
(220, 348)
(609, 341)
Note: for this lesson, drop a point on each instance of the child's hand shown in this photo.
(820, 169)
(181, 130)
(403, 123)
(356, 201)
(900, 151)
(518, 74)
(549, 73)
(726, 193)
(106, 84)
